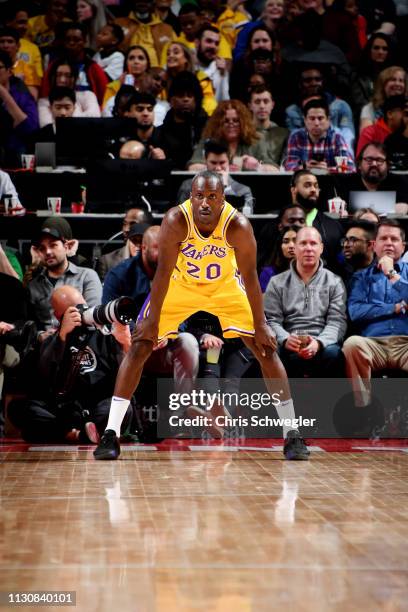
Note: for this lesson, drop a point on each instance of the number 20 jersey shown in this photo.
(208, 260)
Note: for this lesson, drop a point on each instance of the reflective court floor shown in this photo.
(185, 527)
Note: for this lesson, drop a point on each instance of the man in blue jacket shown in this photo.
(378, 304)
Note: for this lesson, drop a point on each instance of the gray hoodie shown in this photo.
(318, 307)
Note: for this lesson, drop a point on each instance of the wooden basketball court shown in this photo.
(186, 527)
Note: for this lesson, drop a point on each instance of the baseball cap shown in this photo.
(60, 224)
(137, 229)
(51, 232)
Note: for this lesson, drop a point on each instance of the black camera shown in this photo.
(122, 310)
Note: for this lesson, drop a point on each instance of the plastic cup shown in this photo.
(77, 208)
(54, 205)
(28, 162)
(303, 336)
(336, 205)
(341, 163)
(7, 205)
(213, 354)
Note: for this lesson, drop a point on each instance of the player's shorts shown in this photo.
(227, 301)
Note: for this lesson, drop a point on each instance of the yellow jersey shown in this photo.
(205, 261)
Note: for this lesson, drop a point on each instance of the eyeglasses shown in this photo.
(2, 66)
(375, 160)
(351, 240)
(231, 121)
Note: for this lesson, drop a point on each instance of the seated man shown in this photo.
(390, 123)
(317, 144)
(216, 160)
(261, 105)
(306, 308)
(377, 304)
(133, 216)
(76, 374)
(53, 248)
(358, 249)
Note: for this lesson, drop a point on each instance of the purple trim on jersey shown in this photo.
(244, 332)
(144, 311)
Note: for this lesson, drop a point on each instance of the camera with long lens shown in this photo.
(122, 310)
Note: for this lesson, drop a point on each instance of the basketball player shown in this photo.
(203, 243)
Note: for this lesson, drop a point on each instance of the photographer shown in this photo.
(77, 370)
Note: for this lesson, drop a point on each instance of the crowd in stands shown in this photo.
(300, 86)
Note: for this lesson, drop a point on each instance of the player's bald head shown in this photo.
(211, 180)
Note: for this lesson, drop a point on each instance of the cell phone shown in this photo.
(318, 157)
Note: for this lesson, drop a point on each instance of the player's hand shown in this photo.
(146, 330)
(265, 340)
(209, 341)
(70, 320)
(310, 350)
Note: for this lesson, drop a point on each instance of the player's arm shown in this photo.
(172, 232)
(241, 236)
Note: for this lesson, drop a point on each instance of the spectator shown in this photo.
(209, 62)
(232, 124)
(305, 192)
(390, 82)
(53, 251)
(108, 56)
(41, 28)
(13, 314)
(309, 48)
(373, 175)
(376, 56)
(216, 159)
(143, 28)
(162, 9)
(64, 73)
(134, 218)
(180, 59)
(76, 376)
(157, 88)
(10, 43)
(390, 123)
(311, 85)
(271, 17)
(16, 17)
(191, 21)
(231, 20)
(376, 305)
(317, 144)
(141, 107)
(91, 77)
(18, 114)
(358, 248)
(306, 308)
(280, 256)
(92, 14)
(7, 186)
(367, 214)
(380, 15)
(397, 144)
(261, 105)
(133, 275)
(137, 64)
(242, 69)
(183, 124)
(62, 104)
